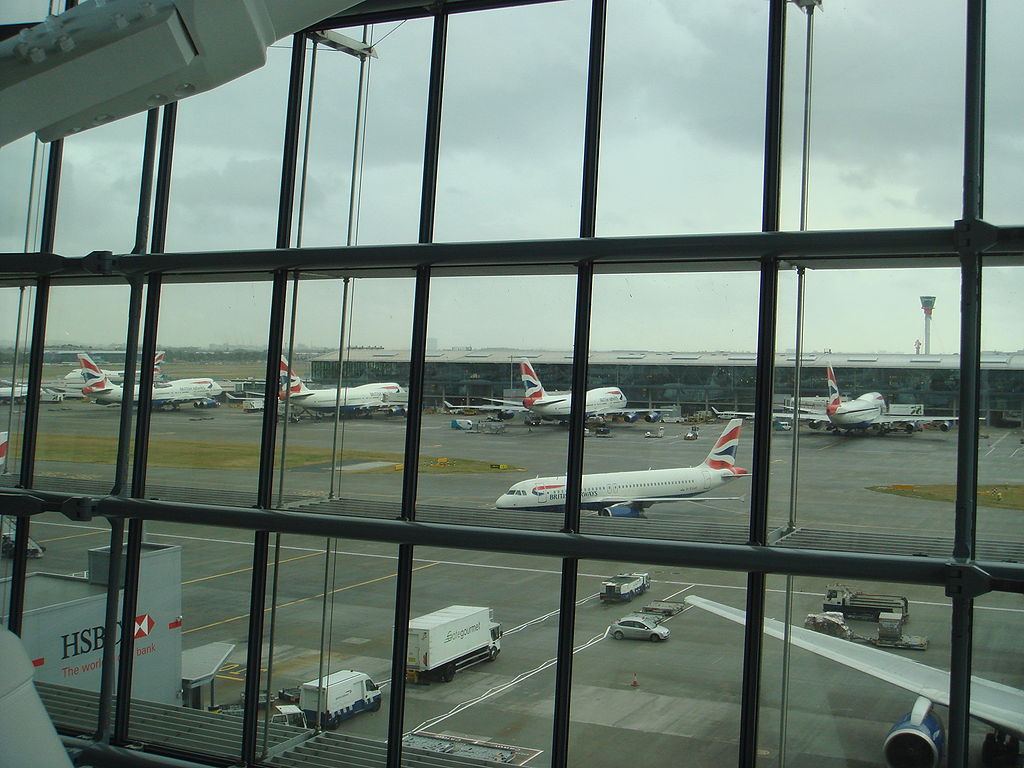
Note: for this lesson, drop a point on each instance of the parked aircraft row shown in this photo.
(74, 378)
(628, 494)
(867, 413)
(551, 406)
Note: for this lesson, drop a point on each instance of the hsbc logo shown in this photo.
(92, 638)
(143, 625)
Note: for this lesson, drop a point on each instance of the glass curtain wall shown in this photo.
(353, 589)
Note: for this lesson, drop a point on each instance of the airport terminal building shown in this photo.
(691, 381)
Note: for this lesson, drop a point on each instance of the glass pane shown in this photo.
(1000, 529)
(79, 418)
(101, 170)
(879, 392)
(333, 623)
(512, 130)
(388, 187)
(682, 124)
(886, 115)
(653, 676)
(672, 463)
(226, 178)
(341, 435)
(1004, 69)
(505, 402)
(205, 428)
(834, 697)
(480, 669)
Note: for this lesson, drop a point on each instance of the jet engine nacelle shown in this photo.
(815, 424)
(207, 403)
(652, 417)
(630, 418)
(506, 415)
(944, 426)
(917, 740)
(619, 510)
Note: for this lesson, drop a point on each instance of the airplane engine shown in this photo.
(944, 426)
(630, 418)
(207, 403)
(909, 429)
(506, 415)
(652, 417)
(814, 424)
(619, 510)
(917, 740)
(397, 410)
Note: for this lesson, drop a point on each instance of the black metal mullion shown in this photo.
(753, 639)
(136, 527)
(33, 396)
(417, 366)
(275, 341)
(972, 242)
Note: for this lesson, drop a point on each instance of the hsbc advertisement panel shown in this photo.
(65, 639)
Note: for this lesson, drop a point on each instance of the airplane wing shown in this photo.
(889, 418)
(994, 703)
(651, 499)
(507, 406)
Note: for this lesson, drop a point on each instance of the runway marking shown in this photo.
(72, 536)
(243, 570)
(305, 599)
(522, 676)
(997, 442)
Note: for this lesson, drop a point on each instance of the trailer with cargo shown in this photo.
(861, 605)
(453, 638)
(889, 635)
(623, 587)
(337, 697)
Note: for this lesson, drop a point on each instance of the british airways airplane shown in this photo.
(364, 398)
(168, 395)
(601, 401)
(628, 494)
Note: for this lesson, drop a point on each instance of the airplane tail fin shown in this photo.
(833, 393)
(3, 449)
(723, 454)
(531, 383)
(95, 379)
(295, 385)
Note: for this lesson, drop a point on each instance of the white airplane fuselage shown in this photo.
(167, 394)
(857, 414)
(601, 400)
(362, 397)
(606, 489)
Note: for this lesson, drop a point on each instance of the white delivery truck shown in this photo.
(343, 694)
(450, 639)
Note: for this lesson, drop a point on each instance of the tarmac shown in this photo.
(685, 704)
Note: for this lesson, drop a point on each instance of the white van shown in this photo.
(344, 693)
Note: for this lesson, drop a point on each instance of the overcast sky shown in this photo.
(682, 135)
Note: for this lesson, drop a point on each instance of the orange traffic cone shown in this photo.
(635, 683)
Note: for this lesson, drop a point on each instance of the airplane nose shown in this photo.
(501, 502)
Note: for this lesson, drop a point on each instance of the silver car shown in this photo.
(637, 627)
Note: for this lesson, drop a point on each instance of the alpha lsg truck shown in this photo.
(453, 638)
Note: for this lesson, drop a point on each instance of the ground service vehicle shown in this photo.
(453, 638)
(637, 627)
(860, 605)
(342, 695)
(623, 587)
